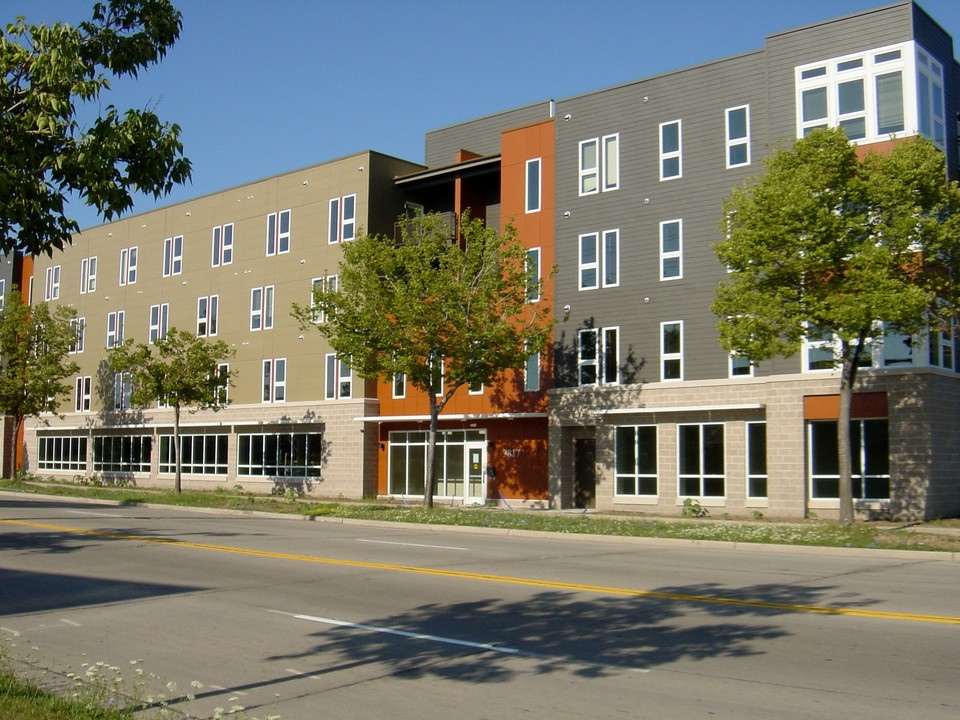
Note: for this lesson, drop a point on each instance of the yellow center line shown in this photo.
(553, 584)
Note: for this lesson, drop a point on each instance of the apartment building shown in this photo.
(636, 406)
(227, 266)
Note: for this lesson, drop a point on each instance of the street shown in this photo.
(358, 620)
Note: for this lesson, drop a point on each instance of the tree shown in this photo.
(825, 245)
(441, 312)
(181, 370)
(34, 346)
(47, 156)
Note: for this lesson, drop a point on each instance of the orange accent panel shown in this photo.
(827, 407)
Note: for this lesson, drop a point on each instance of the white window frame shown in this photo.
(677, 254)
(817, 344)
(636, 475)
(221, 241)
(533, 186)
(115, 321)
(587, 240)
(701, 476)
(342, 219)
(931, 110)
(399, 389)
(88, 275)
(673, 356)
(222, 398)
(208, 311)
(172, 256)
(610, 257)
(603, 173)
(732, 142)
(122, 391)
(51, 287)
(321, 283)
(81, 402)
(735, 364)
(128, 265)
(533, 267)
(159, 322)
(278, 238)
(261, 308)
(338, 378)
(531, 373)
(274, 377)
(606, 360)
(605, 269)
(78, 327)
(670, 155)
(751, 476)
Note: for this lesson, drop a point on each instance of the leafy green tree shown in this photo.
(181, 370)
(47, 156)
(34, 361)
(441, 312)
(824, 244)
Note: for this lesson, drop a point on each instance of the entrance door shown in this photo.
(584, 473)
(476, 489)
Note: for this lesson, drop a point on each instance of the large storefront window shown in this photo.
(636, 460)
(461, 463)
(280, 454)
(122, 453)
(870, 451)
(700, 451)
(199, 454)
(62, 453)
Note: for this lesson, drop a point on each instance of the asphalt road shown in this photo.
(360, 620)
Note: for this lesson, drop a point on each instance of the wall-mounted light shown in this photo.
(566, 312)
(306, 182)
(567, 117)
(566, 213)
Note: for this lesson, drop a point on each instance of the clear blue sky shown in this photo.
(262, 87)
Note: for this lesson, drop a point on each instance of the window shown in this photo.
(278, 233)
(740, 366)
(636, 460)
(159, 321)
(82, 395)
(280, 454)
(599, 164)
(274, 380)
(533, 270)
(407, 462)
(343, 219)
(222, 245)
(670, 151)
(122, 391)
(819, 349)
(339, 378)
(862, 93)
(869, 453)
(756, 459)
(532, 196)
(598, 355)
(671, 350)
(88, 275)
(531, 373)
(173, 256)
(3, 293)
(51, 288)
(62, 453)
(115, 329)
(595, 258)
(700, 456)
(930, 98)
(78, 329)
(738, 136)
(199, 454)
(222, 393)
(122, 453)
(317, 285)
(940, 346)
(671, 249)
(207, 315)
(261, 308)
(128, 266)
(399, 385)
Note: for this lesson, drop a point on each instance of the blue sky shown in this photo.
(263, 87)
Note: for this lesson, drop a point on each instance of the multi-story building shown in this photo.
(637, 407)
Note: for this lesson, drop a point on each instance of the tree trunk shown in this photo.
(848, 375)
(14, 442)
(431, 452)
(176, 449)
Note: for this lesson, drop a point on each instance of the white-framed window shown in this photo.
(278, 233)
(671, 350)
(274, 380)
(819, 349)
(533, 269)
(589, 261)
(62, 452)
(115, 322)
(261, 308)
(737, 127)
(88, 275)
(930, 98)
(82, 394)
(221, 252)
(78, 330)
(701, 460)
(399, 385)
(533, 184)
(51, 288)
(599, 164)
(208, 309)
(128, 265)
(122, 391)
(869, 453)
(671, 249)
(940, 346)
(159, 321)
(223, 392)
(200, 454)
(3, 293)
(122, 453)
(635, 451)
(598, 356)
(339, 378)
(317, 285)
(531, 373)
(740, 366)
(756, 459)
(599, 259)
(671, 149)
(342, 219)
(173, 256)
(867, 94)
(280, 454)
